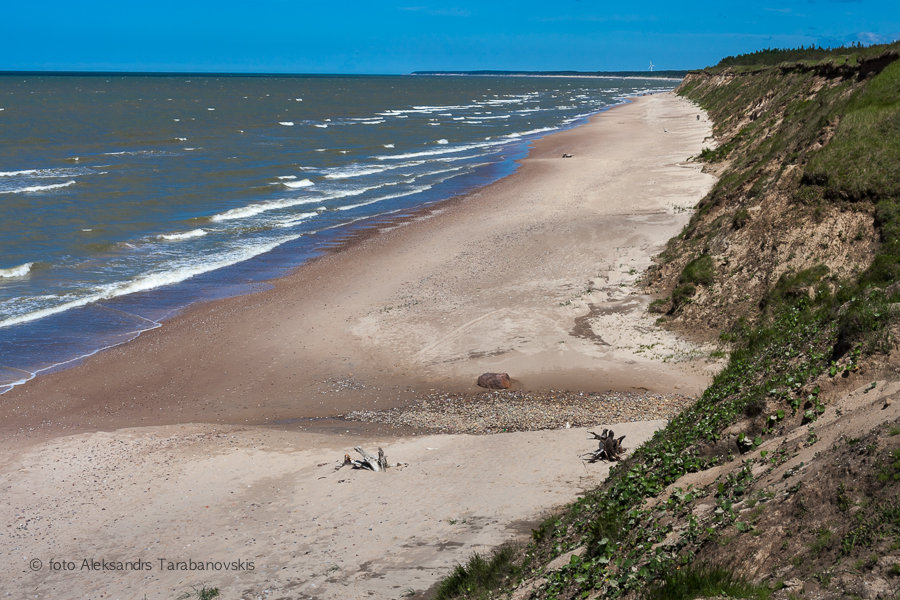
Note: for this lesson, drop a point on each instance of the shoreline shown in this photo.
(213, 439)
(344, 235)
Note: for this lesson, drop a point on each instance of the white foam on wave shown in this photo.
(365, 120)
(38, 188)
(286, 123)
(51, 173)
(383, 198)
(530, 132)
(448, 170)
(359, 170)
(388, 145)
(321, 125)
(251, 210)
(194, 233)
(511, 100)
(402, 112)
(20, 271)
(140, 153)
(297, 184)
(439, 152)
(181, 139)
(286, 177)
(442, 141)
(172, 273)
(297, 219)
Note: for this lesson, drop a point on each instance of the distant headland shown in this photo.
(670, 74)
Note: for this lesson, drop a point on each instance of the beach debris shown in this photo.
(372, 463)
(567, 155)
(494, 381)
(610, 447)
(494, 411)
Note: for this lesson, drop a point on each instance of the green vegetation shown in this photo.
(890, 471)
(202, 593)
(793, 285)
(775, 56)
(740, 218)
(699, 271)
(476, 578)
(682, 294)
(860, 161)
(693, 582)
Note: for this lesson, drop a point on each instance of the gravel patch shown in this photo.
(496, 412)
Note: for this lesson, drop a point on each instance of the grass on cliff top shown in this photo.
(862, 160)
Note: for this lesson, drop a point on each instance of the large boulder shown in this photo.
(494, 381)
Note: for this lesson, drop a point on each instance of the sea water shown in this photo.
(124, 199)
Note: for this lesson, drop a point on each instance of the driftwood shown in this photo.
(610, 447)
(372, 463)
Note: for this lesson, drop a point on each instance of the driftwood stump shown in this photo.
(372, 463)
(610, 447)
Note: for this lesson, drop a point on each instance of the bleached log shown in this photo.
(373, 463)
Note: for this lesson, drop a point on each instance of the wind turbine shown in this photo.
(651, 66)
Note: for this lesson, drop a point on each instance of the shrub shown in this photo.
(658, 306)
(699, 271)
(793, 285)
(696, 581)
(741, 217)
(682, 294)
(864, 320)
(478, 576)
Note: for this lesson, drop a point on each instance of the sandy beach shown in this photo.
(200, 441)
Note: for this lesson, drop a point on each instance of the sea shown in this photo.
(126, 198)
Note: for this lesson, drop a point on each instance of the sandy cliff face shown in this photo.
(765, 219)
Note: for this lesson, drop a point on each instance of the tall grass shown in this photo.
(692, 582)
(478, 576)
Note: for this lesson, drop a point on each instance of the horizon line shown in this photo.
(108, 73)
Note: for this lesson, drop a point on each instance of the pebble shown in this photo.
(501, 411)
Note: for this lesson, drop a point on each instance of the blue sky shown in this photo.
(397, 36)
